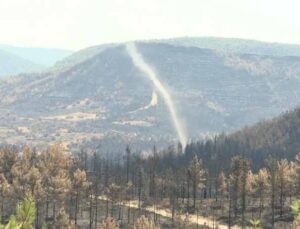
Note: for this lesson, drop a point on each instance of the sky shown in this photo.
(76, 24)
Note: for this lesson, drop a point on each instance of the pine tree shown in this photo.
(62, 221)
(25, 212)
(144, 223)
(235, 181)
(25, 215)
(5, 189)
(79, 186)
(297, 168)
(182, 223)
(261, 185)
(221, 186)
(140, 184)
(109, 223)
(272, 170)
(27, 177)
(128, 160)
(197, 173)
(8, 157)
(255, 224)
(153, 159)
(283, 179)
(246, 185)
(54, 165)
(296, 211)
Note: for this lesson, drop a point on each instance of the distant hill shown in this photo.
(45, 57)
(99, 95)
(236, 45)
(226, 45)
(11, 64)
(81, 56)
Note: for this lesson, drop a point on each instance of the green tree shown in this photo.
(25, 215)
(255, 224)
(296, 210)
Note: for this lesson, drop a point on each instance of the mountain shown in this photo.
(99, 96)
(236, 45)
(227, 45)
(11, 64)
(45, 57)
(80, 56)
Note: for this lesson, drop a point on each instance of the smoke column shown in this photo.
(140, 63)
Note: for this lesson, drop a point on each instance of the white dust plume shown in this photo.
(145, 68)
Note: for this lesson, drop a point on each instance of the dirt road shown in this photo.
(168, 214)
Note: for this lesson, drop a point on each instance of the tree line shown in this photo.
(86, 190)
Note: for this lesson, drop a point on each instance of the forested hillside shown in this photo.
(86, 190)
(278, 138)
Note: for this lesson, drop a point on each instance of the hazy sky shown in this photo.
(75, 24)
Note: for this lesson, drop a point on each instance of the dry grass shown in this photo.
(73, 117)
